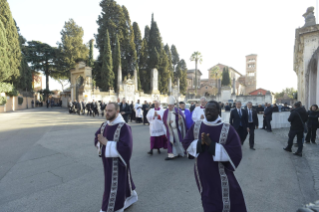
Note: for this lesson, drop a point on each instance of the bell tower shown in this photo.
(251, 73)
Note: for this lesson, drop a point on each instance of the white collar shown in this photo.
(117, 120)
(213, 123)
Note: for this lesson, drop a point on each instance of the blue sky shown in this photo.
(223, 31)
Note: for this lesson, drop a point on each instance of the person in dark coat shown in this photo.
(313, 124)
(132, 111)
(275, 108)
(145, 108)
(298, 116)
(94, 108)
(125, 110)
(88, 108)
(285, 108)
(238, 119)
(268, 117)
(103, 106)
(260, 109)
(192, 107)
(227, 108)
(252, 124)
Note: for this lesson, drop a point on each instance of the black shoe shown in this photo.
(168, 158)
(158, 151)
(298, 154)
(150, 152)
(252, 148)
(313, 142)
(288, 150)
(307, 142)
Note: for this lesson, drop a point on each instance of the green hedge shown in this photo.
(3, 100)
(20, 100)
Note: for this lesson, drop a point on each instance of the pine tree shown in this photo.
(164, 73)
(13, 51)
(116, 59)
(91, 58)
(72, 44)
(44, 58)
(107, 74)
(226, 78)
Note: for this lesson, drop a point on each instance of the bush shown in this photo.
(20, 100)
(3, 100)
(8, 89)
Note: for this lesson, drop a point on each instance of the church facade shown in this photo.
(306, 56)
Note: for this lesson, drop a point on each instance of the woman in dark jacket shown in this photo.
(312, 124)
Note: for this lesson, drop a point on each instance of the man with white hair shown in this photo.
(174, 123)
(199, 112)
(157, 131)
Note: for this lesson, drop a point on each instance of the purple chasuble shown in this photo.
(219, 189)
(119, 187)
(165, 116)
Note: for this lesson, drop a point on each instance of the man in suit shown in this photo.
(268, 117)
(125, 110)
(252, 124)
(298, 116)
(227, 107)
(145, 108)
(192, 107)
(238, 119)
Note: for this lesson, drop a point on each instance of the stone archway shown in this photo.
(311, 81)
(79, 88)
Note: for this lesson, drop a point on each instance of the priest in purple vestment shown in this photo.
(175, 126)
(157, 131)
(114, 142)
(217, 149)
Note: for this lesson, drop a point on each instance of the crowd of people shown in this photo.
(197, 133)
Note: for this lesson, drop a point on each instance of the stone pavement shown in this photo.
(48, 163)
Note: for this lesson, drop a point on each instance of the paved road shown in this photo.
(48, 163)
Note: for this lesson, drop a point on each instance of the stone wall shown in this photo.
(12, 104)
(279, 119)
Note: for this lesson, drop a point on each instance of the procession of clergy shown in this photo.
(201, 135)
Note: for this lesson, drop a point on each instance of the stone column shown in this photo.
(119, 79)
(234, 86)
(135, 79)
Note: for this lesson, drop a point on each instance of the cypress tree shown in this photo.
(117, 59)
(169, 57)
(72, 44)
(137, 40)
(182, 68)
(225, 78)
(4, 62)
(11, 44)
(175, 56)
(164, 73)
(24, 81)
(91, 58)
(144, 70)
(107, 74)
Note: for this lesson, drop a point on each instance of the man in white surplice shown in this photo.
(138, 111)
(199, 111)
(157, 130)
